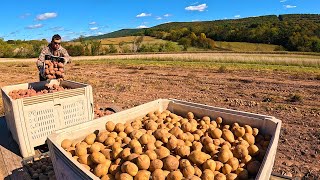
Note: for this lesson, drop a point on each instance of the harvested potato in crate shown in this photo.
(181, 139)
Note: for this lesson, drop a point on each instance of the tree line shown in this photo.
(296, 32)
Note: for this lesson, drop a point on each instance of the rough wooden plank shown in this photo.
(10, 155)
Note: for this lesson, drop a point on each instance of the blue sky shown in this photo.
(40, 19)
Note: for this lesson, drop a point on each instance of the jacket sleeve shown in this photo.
(41, 58)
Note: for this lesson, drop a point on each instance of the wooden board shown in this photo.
(10, 159)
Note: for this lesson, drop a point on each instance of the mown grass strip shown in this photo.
(207, 65)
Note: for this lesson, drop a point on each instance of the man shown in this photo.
(54, 49)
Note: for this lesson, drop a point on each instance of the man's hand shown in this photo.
(40, 64)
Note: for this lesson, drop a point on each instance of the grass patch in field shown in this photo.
(244, 46)
(215, 65)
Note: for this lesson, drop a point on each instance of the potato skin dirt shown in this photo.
(291, 97)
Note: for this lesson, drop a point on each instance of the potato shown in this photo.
(253, 167)
(218, 165)
(174, 175)
(240, 151)
(207, 175)
(106, 153)
(126, 152)
(125, 176)
(158, 175)
(155, 164)
(255, 131)
(85, 159)
(242, 173)
(198, 157)
(209, 164)
(81, 150)
(119, 127)
(108, 177)
(234, 163)
(128, 129)
(210, 147)
(197, 146)
(142, 175)
(134, 143)
(197, 171)
(126, 140)
(143, 162)
(220, 176)
(188, 171)
(66, 143)
(145, 139)
(216, 133)
(152, 154)
(114, 168)
(162, 152)
(110, 126)
(190, 115)
(98, 157)
(95, 148)
(137, 150)
(115, 153)
(86, 166)
(129, 168)
(239, 131)
(151, 125)
(224, 155)
(253, 150)
(90, 138)
(249, 138)
(231, 176)
(170, 163)
(102, 169)
(183, 151)
(227, 135)
(226, 169)
(248, 129)
(219, 120)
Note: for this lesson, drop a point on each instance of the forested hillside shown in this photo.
(295, 32)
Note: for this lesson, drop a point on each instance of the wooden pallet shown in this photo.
(10, 159)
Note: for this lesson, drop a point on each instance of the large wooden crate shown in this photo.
(67, 167)
(32, 119)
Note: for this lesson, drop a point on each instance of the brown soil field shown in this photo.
(293, 98)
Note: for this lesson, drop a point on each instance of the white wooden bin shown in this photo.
(32, 119)
(66, 167)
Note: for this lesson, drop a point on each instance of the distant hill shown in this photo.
(115, 34)
(295, 32)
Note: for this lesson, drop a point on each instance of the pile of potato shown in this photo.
(22, 93)
(163, 145)
(41, 169)
(54, 70)
(100, 112)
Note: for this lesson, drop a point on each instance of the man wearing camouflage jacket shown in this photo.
(54, 49)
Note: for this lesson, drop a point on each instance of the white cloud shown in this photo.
(92, 23)
(289, 6)
(159, 18)
(195, 20)
(34, 26)
(46, 16)
(237, 16)
(167, 15)
(99, 33)
(143, 15)
(94, 28)
(23, 16)
(142, 26)
(200, 8)
(282, 1)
